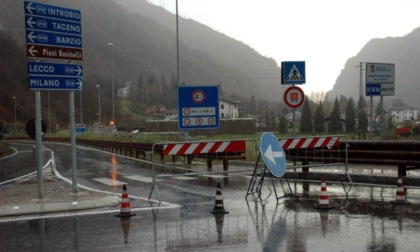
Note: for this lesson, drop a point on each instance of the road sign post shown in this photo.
(273, 154)
(293, 72)
(50, 30)
(198, 107)
(294, 98)
(53, 32)
(380, 81)
(54, 76)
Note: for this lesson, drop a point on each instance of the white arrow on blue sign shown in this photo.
(54, 83)
(48, 24)
(50, 11)
(54, 69)
(55, 39)
(273, 154)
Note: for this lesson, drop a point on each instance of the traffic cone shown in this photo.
(218, 203)
(125, 205)
(400, 198)
(323, 202)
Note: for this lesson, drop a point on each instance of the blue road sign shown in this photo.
(198, 107)
(373, 89)
(54, 25)
(54, 39)
(54, 83)
(293, 72)
(50, 11)
(54, 69)
(273, 154)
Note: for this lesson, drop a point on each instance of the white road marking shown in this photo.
(108, 181)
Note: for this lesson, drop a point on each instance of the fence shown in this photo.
(319, 151)
(223, 150)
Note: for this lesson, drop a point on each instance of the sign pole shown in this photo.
(53, 32)
(382, 118)
(73, 142)
(38, 148)
(294, 122)
(371, 118)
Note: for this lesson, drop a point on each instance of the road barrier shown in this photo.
(215, 150)
(223, 150)
(319, 151)
(405, 155)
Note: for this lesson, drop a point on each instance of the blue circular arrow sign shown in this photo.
(273, 154)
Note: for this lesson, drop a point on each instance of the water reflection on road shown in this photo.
(365, 223)
(363, 218)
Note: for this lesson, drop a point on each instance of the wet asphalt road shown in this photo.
(363, 219)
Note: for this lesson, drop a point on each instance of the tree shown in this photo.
(253, 105)
(378, 109)
(342, 102)
(350, 122)
(335, 122)
(306, 119)
(362, 119)
(319, 125)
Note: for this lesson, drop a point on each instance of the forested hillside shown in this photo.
(404, 52)
(144, 54)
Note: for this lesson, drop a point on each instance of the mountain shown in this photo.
(224, 50)
(144, 52)
(145, 43)
(404, 52)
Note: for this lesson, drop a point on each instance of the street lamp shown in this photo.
(99, 104)
(14, 101)
(112, 73)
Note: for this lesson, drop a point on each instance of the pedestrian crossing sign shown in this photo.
(293, 72)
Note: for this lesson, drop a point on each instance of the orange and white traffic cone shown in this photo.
(400, 198)
(323, 202)
(125, 205)
(218, 203)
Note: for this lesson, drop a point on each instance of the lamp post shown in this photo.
(14, 102)
(112, 73)
(99, 105)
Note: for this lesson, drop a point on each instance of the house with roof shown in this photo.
(399, 115)
(228, 108)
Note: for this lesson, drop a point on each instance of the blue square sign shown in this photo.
(373, 89)
(293, 72)
(198, 107)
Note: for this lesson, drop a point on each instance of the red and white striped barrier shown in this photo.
(310, 142)
(204, 147)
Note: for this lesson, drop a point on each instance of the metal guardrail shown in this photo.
(401, 153)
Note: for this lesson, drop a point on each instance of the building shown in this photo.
(404, 114)
(228, 109)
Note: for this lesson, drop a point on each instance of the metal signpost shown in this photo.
(53, 32)
(293, 73)
(274, 159)
(380, 81)
(53, 76)
(294, 97)
(273, 154)
(198, 107)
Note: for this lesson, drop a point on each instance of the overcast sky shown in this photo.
(324, 33)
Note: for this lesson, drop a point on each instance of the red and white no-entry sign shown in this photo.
(294, 97)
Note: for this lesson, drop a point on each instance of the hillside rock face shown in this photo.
(404, 52)
(144, 36)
